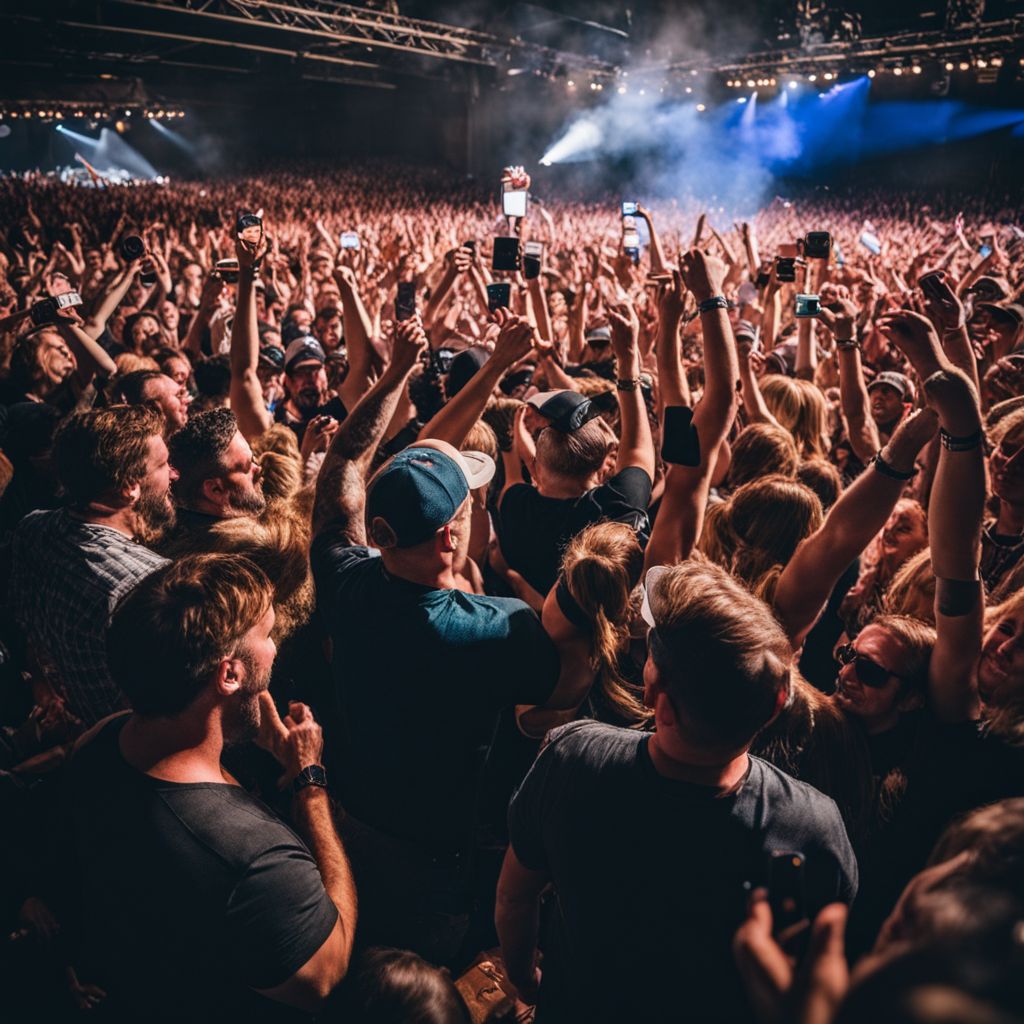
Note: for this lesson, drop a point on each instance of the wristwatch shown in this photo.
(311, 775)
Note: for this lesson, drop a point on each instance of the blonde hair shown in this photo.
(481, 438)
(911, 590)
(277, 438)
(601, 568)
(716, 542)
(799, 407)
(759, 449)
(129, 362)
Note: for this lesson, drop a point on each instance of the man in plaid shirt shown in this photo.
(72, 565)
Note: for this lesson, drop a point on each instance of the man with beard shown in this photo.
(219, 479)
(198, 902)
(305, 387)
(72, 565)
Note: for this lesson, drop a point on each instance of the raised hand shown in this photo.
(672, 299)
(410, 342)
(702, 274)
(515, 337)
(296, 741)
(842, 324)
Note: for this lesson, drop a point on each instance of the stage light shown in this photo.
(689, 89)
(571, 84)
(828, 76)
(593, 86)
(643, 92)
(741, 99)
(897, 72)
(964, 66)
(771, 81)
(59, 116)
(997, 62)
(950, 65)
(871, 73)
(701, 108)
(916, 69)
(694, 72)
(981, 62)
(812, 78)
(793, 85)
(14, 115)
(750, 83)
(729, 83)
(622, 90)
(28, 113)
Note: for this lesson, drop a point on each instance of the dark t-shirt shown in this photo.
(420, 675)
(649, 873)
(534, 530)
(193, 895)
(332, 407)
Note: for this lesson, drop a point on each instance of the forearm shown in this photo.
(556, 377)
(806, 350)
(754, 405)
(636, 447)
(92, 358)
(721, 371)
(311, 814)
(455, 419)
(245, 392)
(109, 301)
(542, 318)
(853, 399)
(193, 340)
(518, 926)
(658, 264)
(439, 297)
(770, 320)
(957, 345)
(673, 387)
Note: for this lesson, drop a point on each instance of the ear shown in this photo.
(911, 702)
(213, 490)
(665, 716)
(381, 533)
(447, 540)
(230, 676)
(130, 495)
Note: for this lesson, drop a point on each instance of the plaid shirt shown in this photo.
(67, 577)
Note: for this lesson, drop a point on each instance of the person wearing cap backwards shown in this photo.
(421, 669)
(891, 396)
(536, 522)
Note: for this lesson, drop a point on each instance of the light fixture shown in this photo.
(916, 69)
(701, 108)
(693, 72)
(689, 89)
(997, 62)
(981, 62)
(897, 72)
(621, 90)
(828, 76)
(792, 85)
(950, 65)
(771, 81)
(812, 78)
(871, 73)
(570, 83)
(964, 66)
(750, 83)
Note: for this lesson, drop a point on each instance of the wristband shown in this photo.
(715, 302)
(627, 384)
(847, 344)
(883, 467)
(961, 444)
(680, 444)
(311, 775)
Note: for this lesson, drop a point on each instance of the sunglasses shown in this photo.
(869, 672)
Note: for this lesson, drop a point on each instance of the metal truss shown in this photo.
(330, 26)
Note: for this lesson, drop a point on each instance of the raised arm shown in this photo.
(91, 357)
(861, 511)
(110, 299)
(947, 313)
(245, 392)
(673, 387)
(853, 393)
(636, 448)
(955, 512)
(455, 420)
(341, 485)
(681, 516)
(358, 339)
(213, 286)
(659, 267)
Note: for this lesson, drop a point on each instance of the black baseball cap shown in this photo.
(567, 411)
(303, 350)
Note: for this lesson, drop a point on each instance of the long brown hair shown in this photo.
(601, 568)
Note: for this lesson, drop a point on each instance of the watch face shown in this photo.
(313, 775)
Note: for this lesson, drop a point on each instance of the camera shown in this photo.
(45, 310)
(513, 201)
(628, 209)
(807, 306)
(785, 268)
(131, 248)
(499, 296)
(931, 285)
(817, 245)
(228, 270)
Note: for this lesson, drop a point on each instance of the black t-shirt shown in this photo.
(193, 895)
(332, 407)
(420, 675)
(649, 873)
(534, 530)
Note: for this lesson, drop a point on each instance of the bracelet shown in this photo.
(847, 344)
(627, 384)
(961, 444)
(715, 302)
(886, 469)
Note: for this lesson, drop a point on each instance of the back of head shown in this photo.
(994, 838)
(760, 449)
(911, 591)
(800, 407)
(168, 635)
(720, 652)
(395, 986)
(574, 456)
(102, 451)
(131, 387)
(197, 452)
(823, 478)
(767, 519)
(213, 378)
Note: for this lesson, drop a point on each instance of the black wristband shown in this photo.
(883, 467)
(627, 384)
(715, 302)
(961, 444)
(680, 444)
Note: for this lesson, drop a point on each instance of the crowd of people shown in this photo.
(643, 642)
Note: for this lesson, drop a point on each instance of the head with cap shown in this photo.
(573, 442)
(719, 664)
(1005, 326)
(418, 510)
(305, 376)
(888, 392)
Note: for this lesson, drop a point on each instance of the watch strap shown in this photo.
(311, 775)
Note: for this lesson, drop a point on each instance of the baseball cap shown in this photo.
(292, 330)
(464, 367)
(273, 356)
(602, 335)
(303, 350)
(745, 329)
(422, 488)
(567, 411)
(991, 289)
(1008, 312)
(894, 380)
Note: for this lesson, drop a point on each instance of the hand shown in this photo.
(86, 995)
(777, 989)
(528, 989)
(702, 274)
(911, 434)
(319, 432)
(345, 276)
(625, 338)
(296, 741)
(463, 259)
(842, 325)
(672, 299)
(213, 288)
(915, 337)
(946, 310)
(515, 338)
(410, 342)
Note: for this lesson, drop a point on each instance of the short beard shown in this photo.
(242, 719)
(308, 400)
(248, 502)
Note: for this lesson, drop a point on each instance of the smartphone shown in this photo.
(349, 240)
(763, 277)
(471, 245)
(785, 268)
(405, 300)
(513, 201)
(929, 285)
(985, 251)
(788, 898)
(131, 248)
(817, 245)
(228, 270)
(506, 253)
(628, 209)
(870, 242)
(499, 296)
(534, 249)
(631, 239)
(532, 260)
(806, 306)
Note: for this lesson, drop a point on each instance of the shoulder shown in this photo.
(592, 744)
(631, 483)
(519, 495)
(796, 806)
(332, 552)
